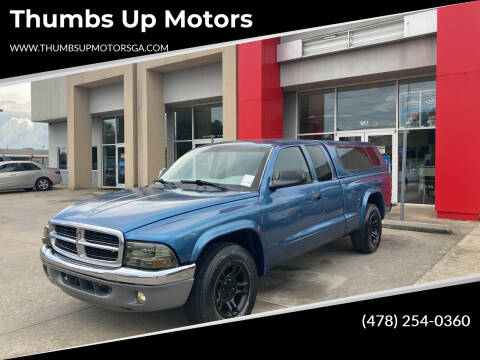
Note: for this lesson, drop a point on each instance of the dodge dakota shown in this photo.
(221, 216)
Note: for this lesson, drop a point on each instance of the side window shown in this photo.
(20, 167)
(320, 162)
(31, 167)
(357, 158)
(289, 159)
(7, 168)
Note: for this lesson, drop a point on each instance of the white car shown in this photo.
(27, 175)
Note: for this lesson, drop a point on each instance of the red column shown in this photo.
(457, 180)
(259, 96)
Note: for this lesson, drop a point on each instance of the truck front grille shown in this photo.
(101, 254)
(100, 238)
(101, 246)
(67, 231)
(66, 246)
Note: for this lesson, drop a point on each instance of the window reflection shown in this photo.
(417, 102)
(420, 166)
(208, 121)
(367, 106)
(195, 125)
(316, 112)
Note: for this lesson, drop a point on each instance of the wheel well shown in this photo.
(377, 199)
(247, 239)
(44, 177)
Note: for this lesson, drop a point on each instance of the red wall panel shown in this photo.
(259, 96)
(457, 178)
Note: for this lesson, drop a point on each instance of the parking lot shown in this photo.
(36, 316)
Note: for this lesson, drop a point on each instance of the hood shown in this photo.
(126, 210)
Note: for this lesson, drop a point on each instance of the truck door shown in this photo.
(289, 214)
(328, 196)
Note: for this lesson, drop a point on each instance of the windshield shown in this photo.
(237, 167)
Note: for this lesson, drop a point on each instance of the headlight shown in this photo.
(46, 234)
(149, 256)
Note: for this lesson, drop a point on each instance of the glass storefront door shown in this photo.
(113, 169)
(386, 142)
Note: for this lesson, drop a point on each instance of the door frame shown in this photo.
(350, 133)
(117, 146)
(101, 166)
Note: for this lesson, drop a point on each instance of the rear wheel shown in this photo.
(43, 184)
(368, 237)
(225, 284)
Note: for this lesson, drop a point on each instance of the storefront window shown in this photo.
(420, 166)
(94, 158)
(417, 102)
(183, 123)
(369, 106)
(195, 125)
(62, 158)
(208, 121)
(316, 112)
(108, 127)
(120, 126)
(182, 147)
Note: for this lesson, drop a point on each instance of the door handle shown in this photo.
(317, 196)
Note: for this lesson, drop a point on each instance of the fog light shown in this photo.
(141, 297)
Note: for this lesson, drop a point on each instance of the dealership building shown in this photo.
(406, 82)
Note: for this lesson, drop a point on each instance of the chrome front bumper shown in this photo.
(118, 288)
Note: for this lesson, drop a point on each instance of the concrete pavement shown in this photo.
(36, 316)
(463, 259)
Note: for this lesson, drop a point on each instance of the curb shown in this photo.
(416, 226)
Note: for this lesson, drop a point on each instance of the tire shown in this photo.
(368, 237)
(43, 184)
(216, 294)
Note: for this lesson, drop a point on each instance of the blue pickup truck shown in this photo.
(219, 217)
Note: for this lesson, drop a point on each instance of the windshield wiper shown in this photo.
(164, 182)
(203, 182)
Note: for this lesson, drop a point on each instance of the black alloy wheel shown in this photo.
(374, 229)
(232, 288)
(368, 237)
(225, 284)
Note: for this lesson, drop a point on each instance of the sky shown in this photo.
(17, 131)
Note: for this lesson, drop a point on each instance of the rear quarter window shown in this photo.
(357, 158)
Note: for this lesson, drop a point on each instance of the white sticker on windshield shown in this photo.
(247, 180)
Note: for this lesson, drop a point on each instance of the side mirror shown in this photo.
(289, 177)
(161, 172)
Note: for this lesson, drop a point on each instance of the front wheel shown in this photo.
(225, 284)
(367, 238)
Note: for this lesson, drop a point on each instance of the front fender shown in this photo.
(225, 229)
